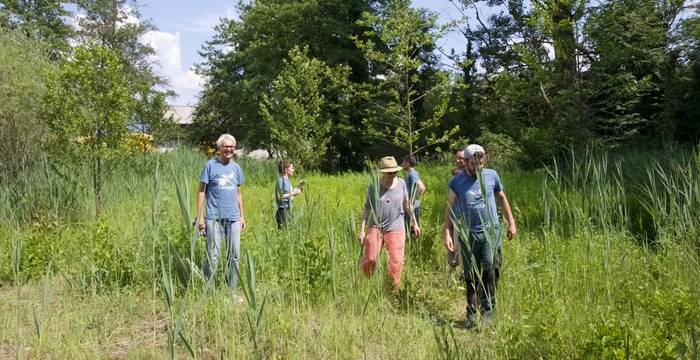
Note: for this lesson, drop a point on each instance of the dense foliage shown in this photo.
(548, 75)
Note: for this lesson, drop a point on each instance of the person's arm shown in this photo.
(200, 206)
(451, 199)
(292, 192)
(240, 206)
(503, 202)
(420, 187)
(363, 222)
(408, 208)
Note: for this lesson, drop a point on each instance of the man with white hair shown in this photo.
(477, 190)
(220, 187)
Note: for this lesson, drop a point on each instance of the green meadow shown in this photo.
(605, 265)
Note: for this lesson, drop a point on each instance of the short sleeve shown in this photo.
(497, 186)
(416, 177)
(241, 178)
(204, 175)
(450, 185)
(278, 188)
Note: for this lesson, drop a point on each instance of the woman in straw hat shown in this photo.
(385, 210)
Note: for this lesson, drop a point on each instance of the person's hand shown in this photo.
(202, 225)
(362, 236)
(297, 191)
(511, 231)
(449, 244)
(243, 224)
(415, 230)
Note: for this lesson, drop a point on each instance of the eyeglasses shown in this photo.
(228, 147)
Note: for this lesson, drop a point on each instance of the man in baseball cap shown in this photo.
(476, 191)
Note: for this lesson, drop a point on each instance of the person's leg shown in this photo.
(281, 217)
(483, 247)
(498, 255)
(372, 245)
(233, 251)
(497, 263)
(470, 278)
(213, 248)
(395, 241)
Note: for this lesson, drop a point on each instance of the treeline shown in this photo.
(333, 82)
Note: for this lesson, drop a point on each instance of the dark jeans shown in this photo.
(481, 259)
(282, 216)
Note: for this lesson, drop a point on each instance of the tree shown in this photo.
(89, 105)
(687, 110)
(516, 94)
(294, 112)
(246, 55)
(117, 25)
(632, 67)
(399, 45)
(40, 20)
(22, 65)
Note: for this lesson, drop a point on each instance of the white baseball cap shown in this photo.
(472, 149)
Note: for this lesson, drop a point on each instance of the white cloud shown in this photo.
(206, 22)
(168, 59)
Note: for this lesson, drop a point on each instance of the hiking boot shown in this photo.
(471, 321)
(487, 318)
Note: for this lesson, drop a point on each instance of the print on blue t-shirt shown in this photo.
(470, 201)
(283, 186)
(222, 189)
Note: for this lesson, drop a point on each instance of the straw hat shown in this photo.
(388, 165)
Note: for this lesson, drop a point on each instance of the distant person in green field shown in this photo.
(477, 190)
(387, 202)
(454, 257)
(415, 185)
(220, 188)
(284, 192)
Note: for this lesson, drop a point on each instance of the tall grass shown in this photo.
(581, 280)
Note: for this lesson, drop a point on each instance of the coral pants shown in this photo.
(394, 242)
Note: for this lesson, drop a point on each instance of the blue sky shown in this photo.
(184, 26)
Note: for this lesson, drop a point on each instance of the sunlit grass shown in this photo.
(580, 281)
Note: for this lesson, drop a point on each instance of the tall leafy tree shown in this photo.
(294, 109)
(687, 111)
(22, 65)
(41, 20)
(515, 93)
(246, 55)
(117, 25)
(399, 47)
(89, 105)
(633, 67)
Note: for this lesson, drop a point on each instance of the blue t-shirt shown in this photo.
(412, 179)
(283, 186)
(222, 189)
(470, 200)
